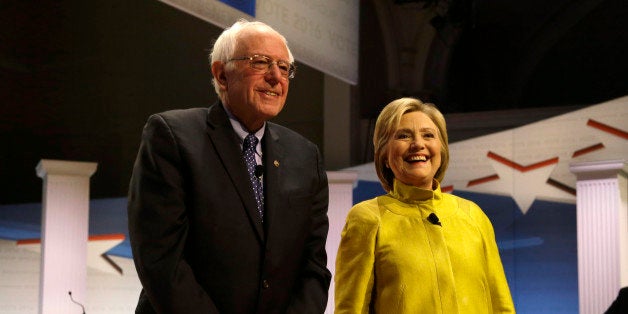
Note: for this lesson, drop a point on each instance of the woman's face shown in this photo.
(414, 152)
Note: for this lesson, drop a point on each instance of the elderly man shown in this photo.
(228, 212)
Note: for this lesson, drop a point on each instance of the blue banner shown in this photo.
(246, 6)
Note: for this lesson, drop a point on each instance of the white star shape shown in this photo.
(523, 187)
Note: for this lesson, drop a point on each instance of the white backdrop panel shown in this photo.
(321, 33)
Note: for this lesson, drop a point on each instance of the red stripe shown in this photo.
(519, 167)
(482, 180)
(28, 241)
(102, 237)
(587, 150)
(607, 128)
(99, 237)
(561, 186)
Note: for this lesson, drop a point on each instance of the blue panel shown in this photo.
(106, 216)
(123, 249)
(17, 231)
(366, 190)
(246, 6)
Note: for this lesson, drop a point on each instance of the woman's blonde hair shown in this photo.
(387, 124)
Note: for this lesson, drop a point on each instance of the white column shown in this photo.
(602, 232)
(64, 232)
(340, 201)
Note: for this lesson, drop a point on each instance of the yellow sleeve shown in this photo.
(354, 275)
(500, 292)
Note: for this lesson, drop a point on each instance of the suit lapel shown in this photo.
(273, 157)
(224, 139)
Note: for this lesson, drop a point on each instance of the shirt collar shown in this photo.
(242, 131)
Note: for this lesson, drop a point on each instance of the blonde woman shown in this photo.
(416, 249)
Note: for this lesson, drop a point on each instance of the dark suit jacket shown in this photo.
(198, 243)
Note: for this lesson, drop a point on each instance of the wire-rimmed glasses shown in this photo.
(263, 63)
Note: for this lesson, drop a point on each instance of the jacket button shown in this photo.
(265, 284)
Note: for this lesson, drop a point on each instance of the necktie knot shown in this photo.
(250, 142)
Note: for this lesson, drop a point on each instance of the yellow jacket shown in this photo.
(391, 259)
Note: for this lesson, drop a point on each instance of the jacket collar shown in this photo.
(412, 194)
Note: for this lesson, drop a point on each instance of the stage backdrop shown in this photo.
(519, 177)
(321, 33)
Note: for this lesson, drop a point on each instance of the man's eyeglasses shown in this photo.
(263, 63)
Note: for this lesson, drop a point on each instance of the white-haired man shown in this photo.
(228, 212)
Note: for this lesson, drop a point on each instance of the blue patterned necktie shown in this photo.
(250, 143)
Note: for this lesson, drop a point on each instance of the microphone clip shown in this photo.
(434, 219)
(259, 171)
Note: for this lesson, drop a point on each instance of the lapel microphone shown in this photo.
(434, 219)
(259, 171)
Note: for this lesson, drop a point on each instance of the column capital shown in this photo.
(596, 170)
(64, 167)
(338, 177)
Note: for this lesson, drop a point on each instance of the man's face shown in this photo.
(254, 96)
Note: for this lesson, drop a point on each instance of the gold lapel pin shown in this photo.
(276, 163)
